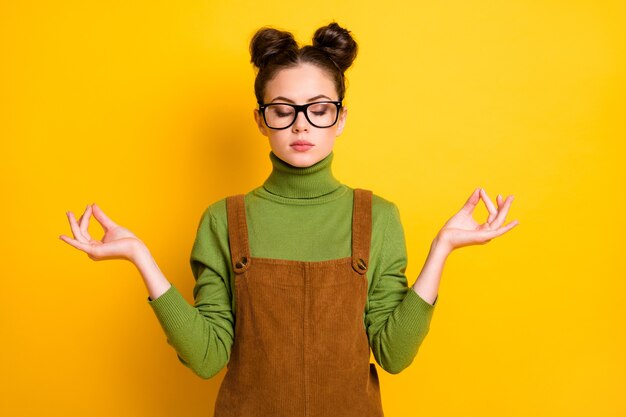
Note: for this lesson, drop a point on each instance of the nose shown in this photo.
(301, 122)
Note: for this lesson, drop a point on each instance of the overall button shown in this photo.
(361, 264)
(241, 263)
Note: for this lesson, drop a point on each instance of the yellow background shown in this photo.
(146, 109)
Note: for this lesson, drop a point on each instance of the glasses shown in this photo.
(321, 114)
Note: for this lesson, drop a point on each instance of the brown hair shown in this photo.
(271, 50)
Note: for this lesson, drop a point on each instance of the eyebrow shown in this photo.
(291, 101)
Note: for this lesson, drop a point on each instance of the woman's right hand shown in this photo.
(117, 242)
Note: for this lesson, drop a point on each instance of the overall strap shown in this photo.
(238, 233)
(361, 229)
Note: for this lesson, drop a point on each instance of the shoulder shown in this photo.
(216, 212)
(381, 204)
(383, 207)
(213, 215)
(384, 211)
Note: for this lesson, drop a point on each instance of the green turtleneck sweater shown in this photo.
(289, 216)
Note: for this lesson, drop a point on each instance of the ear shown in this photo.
(260, 122)
(342, 120)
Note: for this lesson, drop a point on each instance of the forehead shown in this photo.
(300, 83)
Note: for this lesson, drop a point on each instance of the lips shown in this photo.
(301, 142)
(301, 145)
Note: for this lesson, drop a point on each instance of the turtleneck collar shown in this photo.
(294, 182)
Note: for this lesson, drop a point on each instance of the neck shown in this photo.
(294, 182)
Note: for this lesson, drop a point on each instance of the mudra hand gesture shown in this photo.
(462, 230)
(117, 242)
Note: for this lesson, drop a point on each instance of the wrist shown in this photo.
(440, 247)
(139, 253)
(153, 278)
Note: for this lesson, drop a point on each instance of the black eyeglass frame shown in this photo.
(301, 108)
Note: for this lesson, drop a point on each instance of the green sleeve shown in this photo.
(398, 319)
(202, 335)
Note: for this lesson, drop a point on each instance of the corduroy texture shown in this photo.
(307, 355)
(284, 225)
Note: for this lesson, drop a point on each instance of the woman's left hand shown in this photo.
(462, 230)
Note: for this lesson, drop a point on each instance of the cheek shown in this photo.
(278, 136)
(332, 136)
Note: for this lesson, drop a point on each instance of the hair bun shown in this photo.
(268, 42)
(337, 43)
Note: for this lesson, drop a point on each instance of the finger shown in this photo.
(490, 234)
(85, 247)
(84, 222)
(75, 228)
(503, 212)
(471, 202)
(499, 202)
(102, 218)
(502, 230)
(490, 207)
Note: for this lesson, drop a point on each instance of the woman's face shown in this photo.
(301, 85)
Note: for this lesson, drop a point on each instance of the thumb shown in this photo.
(102, 218)
(471, 202)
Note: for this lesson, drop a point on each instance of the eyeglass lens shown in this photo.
(319, 114)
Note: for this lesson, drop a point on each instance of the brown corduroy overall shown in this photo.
(300, 347)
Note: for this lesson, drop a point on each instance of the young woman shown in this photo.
(299, 278)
